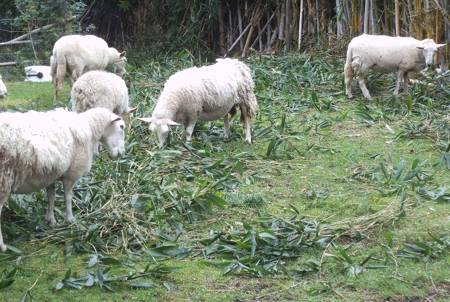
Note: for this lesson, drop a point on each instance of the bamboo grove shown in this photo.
(238, 27)
(230, 27)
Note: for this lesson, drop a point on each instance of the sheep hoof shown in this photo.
(70, 220)
(2, 248)
(51, 221)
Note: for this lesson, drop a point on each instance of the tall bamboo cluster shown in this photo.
(272, 26)
(240, 27)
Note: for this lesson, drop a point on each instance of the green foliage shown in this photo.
(332, 191)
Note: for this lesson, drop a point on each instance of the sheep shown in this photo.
(3, 90)
(77, 54)
(386, 54)
(39, 148)
(101, 89)
(207, 93)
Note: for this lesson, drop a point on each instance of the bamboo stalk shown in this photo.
(366, 16)
(427, 18)
(254, 19)
(265, 26)
(239, 39)
(419, 30)
(397, 19)
(300, 26)
(372, 17)
(221, 28)
(241, 43)
(288, 34)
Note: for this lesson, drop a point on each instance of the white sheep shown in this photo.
(386, 54)
(207, 93)
(101, 89)
(77, 54)
(39, 148)
(3, 90)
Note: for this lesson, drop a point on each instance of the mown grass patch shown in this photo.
(335, 199)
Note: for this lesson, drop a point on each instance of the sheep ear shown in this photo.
(172, 123)
(115, 119)
(122, 54)
(420, 47)
(440, 45)
(132, 110)
(146, 119)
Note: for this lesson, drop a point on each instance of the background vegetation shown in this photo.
(334, 200)
(216, 27)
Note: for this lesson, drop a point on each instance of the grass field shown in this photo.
(335, 200)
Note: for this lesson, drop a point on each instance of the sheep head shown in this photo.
(160, 126)
(429, 49)
(114, 137)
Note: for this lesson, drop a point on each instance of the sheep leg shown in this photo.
(68, 186)
(405, 83)
(399, 78)
(51, 194)
(189, 129)
(3, 199)
(349, 74)
(226, 126)
(248, 136)
(362, 85)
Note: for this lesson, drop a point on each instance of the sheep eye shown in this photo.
(122, 127)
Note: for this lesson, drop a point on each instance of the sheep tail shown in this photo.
(351, 67)
(249, 107)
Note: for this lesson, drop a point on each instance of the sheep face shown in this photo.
(117, 60)
(429, 49)
(114, 137)
(160, 127)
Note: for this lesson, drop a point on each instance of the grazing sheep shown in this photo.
(3, 90)
(101, 89)
(76, 55)
(207, 93)
(386, 54)
(39, 148)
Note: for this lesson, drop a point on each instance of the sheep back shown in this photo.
(100, 89)
(207, 93)
(387, 54)
(38, 143)
(42, 147)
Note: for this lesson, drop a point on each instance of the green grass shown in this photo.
(335, 200)
(22, 95)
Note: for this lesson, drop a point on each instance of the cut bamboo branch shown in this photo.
(267, 24)
(39, 29)
(15, 42)
(13, 63)
(239, 39)
(253, 21)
